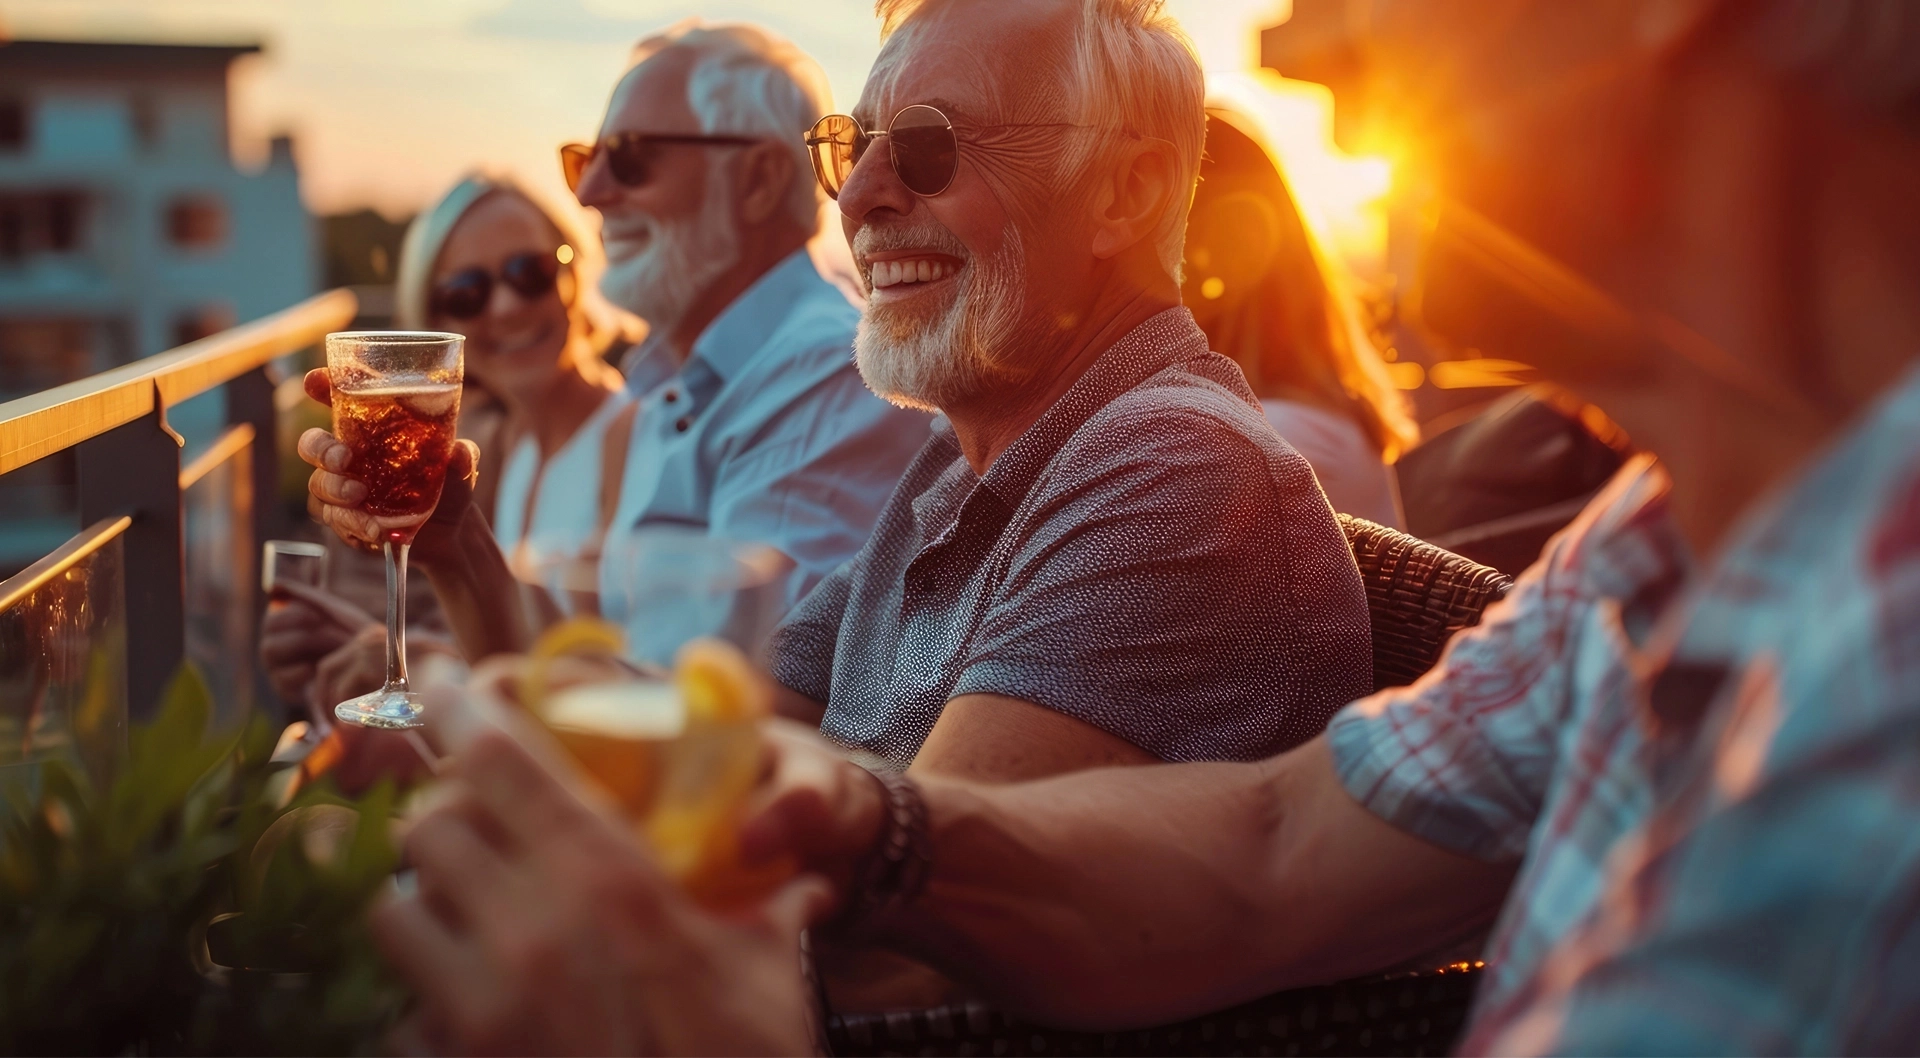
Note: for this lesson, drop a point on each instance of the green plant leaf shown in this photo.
(106, 884)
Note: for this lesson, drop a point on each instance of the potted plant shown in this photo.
(120, 883)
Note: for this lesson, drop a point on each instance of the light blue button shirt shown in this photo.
(765, 435)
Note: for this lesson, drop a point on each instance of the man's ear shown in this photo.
(766, 179)
(1136, 196)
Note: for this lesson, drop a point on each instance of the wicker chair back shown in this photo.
(1418, 596)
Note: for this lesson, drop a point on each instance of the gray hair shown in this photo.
(1133, 71)
(1866, 52)
(749, 81)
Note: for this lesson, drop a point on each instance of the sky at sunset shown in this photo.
(390, 100)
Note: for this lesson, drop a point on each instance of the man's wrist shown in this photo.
(898, 859)
(867, 818)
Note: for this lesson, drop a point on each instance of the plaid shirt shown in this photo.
(1711, 777)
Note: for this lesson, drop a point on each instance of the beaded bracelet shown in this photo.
(896, 869)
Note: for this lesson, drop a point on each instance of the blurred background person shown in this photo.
(1260, 287)
(489, 262)
(753, 424)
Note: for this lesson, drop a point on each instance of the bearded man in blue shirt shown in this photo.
(752, 423)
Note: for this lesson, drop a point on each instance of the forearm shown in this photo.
(1121, 898)
(478, 593)
(1102, 899)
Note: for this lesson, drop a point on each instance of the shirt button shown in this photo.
(671, 397)
(682, 423)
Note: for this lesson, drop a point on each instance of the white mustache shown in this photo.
(871, 240)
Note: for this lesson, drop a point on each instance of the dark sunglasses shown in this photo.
(465, 294)
(631, 155)
(921, 144)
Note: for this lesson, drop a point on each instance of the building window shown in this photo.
(195, 324)
(39, 353)
(13, 125)
(63, 223)
(41, 222)
(196, 222)
(144, 112)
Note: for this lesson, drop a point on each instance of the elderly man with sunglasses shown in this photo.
(1104, 555)
(751, 422)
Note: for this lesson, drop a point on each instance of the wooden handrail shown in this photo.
(56, 419)
(65, 557)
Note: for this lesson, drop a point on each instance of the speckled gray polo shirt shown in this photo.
(1149, 558)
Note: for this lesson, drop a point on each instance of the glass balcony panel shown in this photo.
(217, 502)
(63, 656)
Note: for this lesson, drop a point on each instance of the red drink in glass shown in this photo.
(401, 437)
(396, 401)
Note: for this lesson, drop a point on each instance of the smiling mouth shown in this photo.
(628, 242)
(538, 338)
(900, 274)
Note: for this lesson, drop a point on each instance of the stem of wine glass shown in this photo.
(396, 615)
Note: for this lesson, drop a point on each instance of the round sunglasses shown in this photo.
(921, 144)
(465, 294)
(631, 155)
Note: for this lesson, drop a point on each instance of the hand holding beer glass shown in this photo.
(675, 742)
(396, 402)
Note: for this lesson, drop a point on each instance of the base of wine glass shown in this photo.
(389, 708)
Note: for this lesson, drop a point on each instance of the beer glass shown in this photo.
(675, 744)
(396, 400)
(665, 585)
(291, 561)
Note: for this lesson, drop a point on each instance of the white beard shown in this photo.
(682, 259)
(915, 362)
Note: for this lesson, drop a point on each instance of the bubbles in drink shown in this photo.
(401, 437)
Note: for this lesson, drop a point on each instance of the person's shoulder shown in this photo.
(1184, 453)
(804, 357)
(818, 328)
(1321, 435)
(1178, 420)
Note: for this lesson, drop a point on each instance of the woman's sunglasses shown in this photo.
(631, 155)
(465, 294)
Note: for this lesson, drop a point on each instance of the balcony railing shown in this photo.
(91, 633)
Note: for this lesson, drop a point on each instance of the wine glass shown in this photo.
(396, 401)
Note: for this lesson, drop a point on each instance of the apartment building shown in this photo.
(127, 229)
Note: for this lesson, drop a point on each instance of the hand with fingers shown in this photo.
(302, 628)
(334, 495)
(541, 925)
(814, 806)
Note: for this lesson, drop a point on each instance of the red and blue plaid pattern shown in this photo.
(1711, 776)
